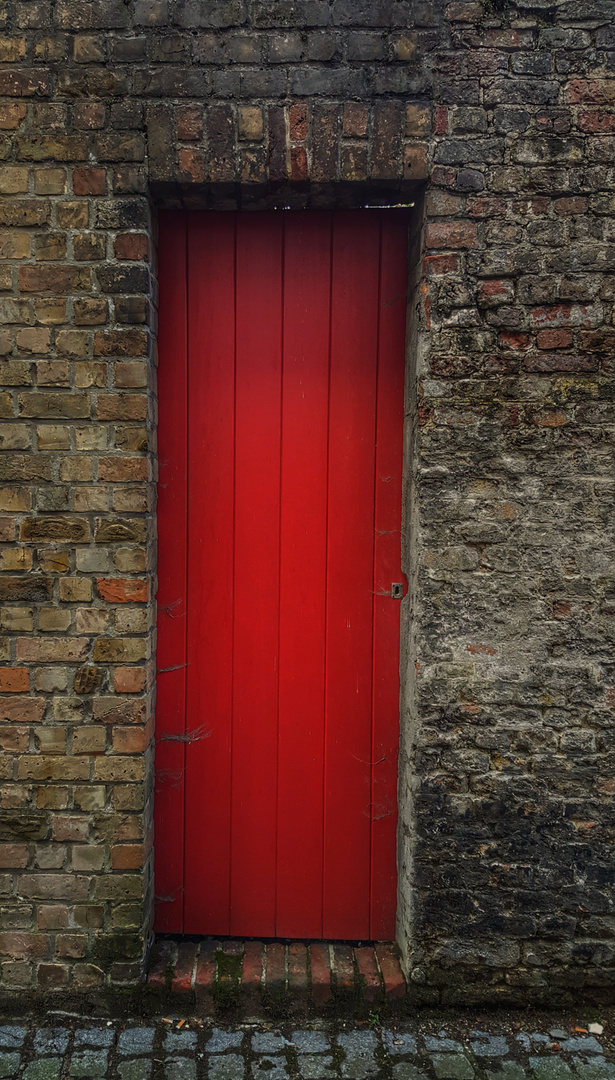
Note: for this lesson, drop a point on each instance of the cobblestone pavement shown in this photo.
(67, 1047)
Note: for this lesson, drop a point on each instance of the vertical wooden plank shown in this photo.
(387, 568)
(303, 573)
(172, 507)
(350, 576)
(211, 447)
(256, 603)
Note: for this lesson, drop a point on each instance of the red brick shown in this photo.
(554, 339)
(297, 967)
(451, 234)
(131, 246)
(298, 123)
(321, 974)
(394, 983)
(368, 974)
(123, 590)
(275, 970)
(89, 181)
(183, 972)
(205, 976)
(14, 680)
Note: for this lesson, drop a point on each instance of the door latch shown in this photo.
(397, 590)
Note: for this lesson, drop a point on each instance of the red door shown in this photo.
(280, 389)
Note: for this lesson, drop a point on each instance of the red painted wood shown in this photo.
(211, 410)
(354, 329)
(387, 555)
(257, 546)
(303, 569)
(171, 598)
(294, 409)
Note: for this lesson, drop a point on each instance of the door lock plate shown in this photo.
(397, 590)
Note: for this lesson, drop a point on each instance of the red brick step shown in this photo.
(254, 978)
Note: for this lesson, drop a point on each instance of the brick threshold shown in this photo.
(254, 978)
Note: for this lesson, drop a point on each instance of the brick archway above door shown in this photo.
(280, 445)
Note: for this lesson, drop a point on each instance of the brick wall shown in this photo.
(503, 115)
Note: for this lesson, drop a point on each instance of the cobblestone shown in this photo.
(223, 1040)
(136, 1041)
(189, 1048)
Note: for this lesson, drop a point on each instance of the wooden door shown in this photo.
(280, 389)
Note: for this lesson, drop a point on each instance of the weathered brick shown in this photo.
(512, 324)
(27, 82)
(13, 179)
(12, 115)
(54, 279)
(89, 181)
(452, 234)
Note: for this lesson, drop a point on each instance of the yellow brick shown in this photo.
(13, 179)
(15, 559)
(14, 244)
(53, 619)
(49, 181)
(16, 618)
(53, 437)
(75, 590)
(50, 740)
